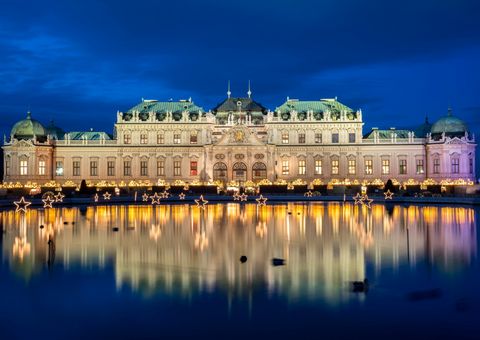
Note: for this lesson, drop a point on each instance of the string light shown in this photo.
(261, 200)
(388, 195)
(59, 197)
(106, 196)
(201, 202)
(181, 196)
(47, 202)
(22, 205)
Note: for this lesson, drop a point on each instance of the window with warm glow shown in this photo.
(301, 167)
(59, 168)
(318, 167)
(127, 138)
(318, 138)
(285, 168)
(42, 165)
(193, 168)
(143, 138)
(420, 169)
(23, 167)
(335, 167)
(285, 137)
(368, 167)
(176, 138)
(385, 166)
(160, 138)
(352, 164)
(402, 170)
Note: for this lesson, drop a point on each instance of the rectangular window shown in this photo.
(42, 165)
(402, 169)
(420, 169)
(193, 168)
(59, 168)
(318, 167)
(385, 166)
(368, 167)
(301, 138)
(160, 168)
(436, 166)
(285, 168)
(470, 165)
(352, 164)
(160, 138)
(301, 167)
(285, 137)
(143, 138)
(127, 168)
(176, 138)
(351, 137)
(7, 167)
(111, 168)
(93, 168)
(177, 168)
(23, 167)
(127, 138)
(143, 168)
(335, 138)
(76, 168)
(193, 137)
(455, 165)
(318, 138)
(334, 167)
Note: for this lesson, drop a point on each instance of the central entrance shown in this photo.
(239, 172)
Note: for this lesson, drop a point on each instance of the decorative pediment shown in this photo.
(239, 135)
(23, 143)
(455, 140)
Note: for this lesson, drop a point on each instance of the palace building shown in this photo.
(239, 140)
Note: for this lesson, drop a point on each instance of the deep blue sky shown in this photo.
(78, 62)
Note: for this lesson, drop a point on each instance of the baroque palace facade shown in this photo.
(239, 140)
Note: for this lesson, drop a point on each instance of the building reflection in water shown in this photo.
(180, 249)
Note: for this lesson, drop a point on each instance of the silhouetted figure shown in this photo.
(243, 259)
(51, 253)
(360, 286)
(389, 186)
(278, 262)
(115, 229)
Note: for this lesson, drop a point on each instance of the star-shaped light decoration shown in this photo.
(388, 195)
(47, 202)
(201, 202)
(106, 196)
(155, 198)
(358, 198)
(243, 197)
(59, 197)
(261, 200)
(308, 194)
(165, 194)
(236, 196)
(22, 205)
(95, 198)
(145, 197)
(367, 201)
(181, 196)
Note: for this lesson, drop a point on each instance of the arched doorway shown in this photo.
(220, 172)
(259, 171)
(239, 172)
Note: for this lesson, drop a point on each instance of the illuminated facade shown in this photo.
(239, 140)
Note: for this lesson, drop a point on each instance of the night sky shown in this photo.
(78, 62)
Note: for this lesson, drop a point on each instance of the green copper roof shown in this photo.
(27, 128)
(387, 134)
(170, 106)
(323, 105)
(450, 125)
(89, 135)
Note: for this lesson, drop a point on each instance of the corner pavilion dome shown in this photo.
(54, 131)
(450, 125)
(28, 128)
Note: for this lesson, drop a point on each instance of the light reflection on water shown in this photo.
(183, 250)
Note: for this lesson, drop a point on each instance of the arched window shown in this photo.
(259, 171)
(220, 171)
(239, 171)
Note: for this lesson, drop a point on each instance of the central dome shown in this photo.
(28, 128)
(450, 125)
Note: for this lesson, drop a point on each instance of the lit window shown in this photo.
(193, 137)
(93, 168)
(160, 168)
(23, 167)
(111, 168)
(285, 137)
(76, 168)
(193, 168)
(42, 167)
(143, 138)
(455, 165)
(351, 137)
(143, 168)
(368, 167)
(335, 167)
(160, 138)
(318, 138)
(335, 138)
(285, 168)
(402, 167)
(59, 168)
(352, 167)
(127, 138)
(127, 168)
(318, 167)
(420, 169)
(436, 166)
(177, 168)
(385, 166)
(301, 138)
(176, 138)
(301, 167)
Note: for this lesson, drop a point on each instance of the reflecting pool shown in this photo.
(174, 270)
